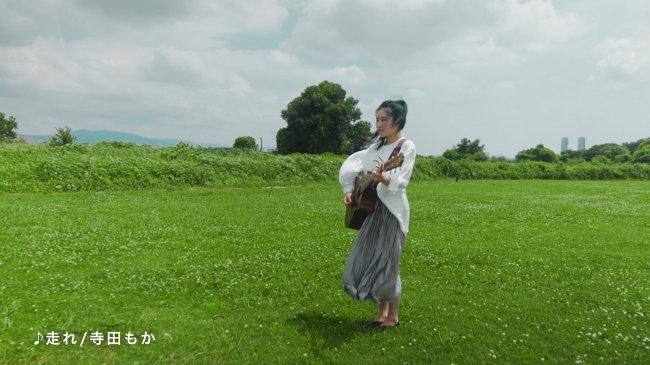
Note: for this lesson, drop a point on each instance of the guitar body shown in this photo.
(365, 193)
(362, 203)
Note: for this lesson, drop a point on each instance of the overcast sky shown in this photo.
(512, 73)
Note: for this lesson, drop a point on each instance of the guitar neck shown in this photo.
(368, 182)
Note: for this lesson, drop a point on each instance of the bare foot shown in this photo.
(389, 322)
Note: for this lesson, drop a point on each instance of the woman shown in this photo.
(372, 270)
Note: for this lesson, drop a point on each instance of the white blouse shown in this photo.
(392, 195)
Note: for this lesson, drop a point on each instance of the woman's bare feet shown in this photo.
(389, 322)
(383, 312)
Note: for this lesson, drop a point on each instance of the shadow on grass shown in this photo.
(327, 333)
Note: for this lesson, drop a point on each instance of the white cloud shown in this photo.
(282, 59)
(15, 28)
(535, 26)
(260, 14)
(169, 71)
(240, 85)
(347, 76)
(400, 5)
(416, 93)
(315, 7)
(218, 17)
(52, 66)
(505, 85)
(626, 60)
(495, 29)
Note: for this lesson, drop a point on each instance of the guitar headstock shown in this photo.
(392, 163)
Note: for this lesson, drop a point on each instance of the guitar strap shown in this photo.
(393, 154)
(397, 148)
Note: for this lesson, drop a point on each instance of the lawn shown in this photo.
(494, 272)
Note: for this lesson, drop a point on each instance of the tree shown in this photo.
(466, 149)
(499, 159)
(622, 158)
(245, 142)
(539, 153)
(7, 128)
(597, 149)
(642, 153)
(611, 150)
(632, 146)
(571, 156)
(357, 138)
(601, 159)
(62, 137)
(319, 120)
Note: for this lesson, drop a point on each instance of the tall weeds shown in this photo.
(126, 166)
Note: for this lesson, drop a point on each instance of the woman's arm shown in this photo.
(352, 166)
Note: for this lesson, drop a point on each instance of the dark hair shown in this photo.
(397, 110)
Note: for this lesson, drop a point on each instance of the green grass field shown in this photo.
(494, 272)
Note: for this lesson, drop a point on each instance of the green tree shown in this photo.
(642, 153)
(570, 156)
(7, 128)
(632, 146)
(539, 153)
(62, 137)
(318, 121)
(499, 159)
(357, 138)
(466, 149)
(611, 150)
(598, 149)
(622, 158)
(245, 142)
(601, 159)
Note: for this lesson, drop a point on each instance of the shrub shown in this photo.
(62, 137)
(245, 142)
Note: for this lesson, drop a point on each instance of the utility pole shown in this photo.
(261, 144)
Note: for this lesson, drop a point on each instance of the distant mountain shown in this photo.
(86, 136)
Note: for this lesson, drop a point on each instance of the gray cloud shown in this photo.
(162, 69)
(15, 29)
(140, 10)
(354, 28)
(513, 73)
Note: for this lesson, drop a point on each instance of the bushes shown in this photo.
(122, 166)
(428, 168)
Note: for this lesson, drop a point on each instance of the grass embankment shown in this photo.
(508, 272)
(122, 166)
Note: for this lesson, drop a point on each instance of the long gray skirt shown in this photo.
(372, 270)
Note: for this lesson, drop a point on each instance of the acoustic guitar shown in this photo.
(365, 193)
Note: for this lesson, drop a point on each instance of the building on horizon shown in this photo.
(581, 144)
(565, 144)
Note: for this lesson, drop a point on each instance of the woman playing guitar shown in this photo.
(372, 270)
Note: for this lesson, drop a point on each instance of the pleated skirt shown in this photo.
(372, 270)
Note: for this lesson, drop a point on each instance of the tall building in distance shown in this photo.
(565, 144)
(581, 144)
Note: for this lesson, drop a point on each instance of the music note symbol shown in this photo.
(39, 338)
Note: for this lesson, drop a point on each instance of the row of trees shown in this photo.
(8, 134)
(638, 151)
(322, 119)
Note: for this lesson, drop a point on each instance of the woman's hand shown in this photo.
(382, 178)
(347, 199)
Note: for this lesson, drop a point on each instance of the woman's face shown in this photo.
(385, 125)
